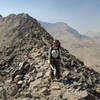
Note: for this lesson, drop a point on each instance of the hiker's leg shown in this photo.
(51, 73)
(57, 69)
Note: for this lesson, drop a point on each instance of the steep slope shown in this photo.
(24, 71)
(79, 45)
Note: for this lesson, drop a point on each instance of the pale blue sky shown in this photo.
(82, 15)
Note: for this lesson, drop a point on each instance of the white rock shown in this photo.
(21, 64)
(55, 87)
(20, 82)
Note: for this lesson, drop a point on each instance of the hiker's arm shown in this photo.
(60, 53)
(49, 56)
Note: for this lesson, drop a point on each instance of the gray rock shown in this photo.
(82, 94)
(18, 78)
(55, 93)
(44, 91)
(13, 90)
(24, 66)
(34, 84)
(28, 95)
(3, 94)
(39, 75)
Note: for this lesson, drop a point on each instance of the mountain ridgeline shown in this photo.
(14, 27)
(62, 27)
(24, 68)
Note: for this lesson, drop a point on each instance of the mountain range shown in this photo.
(93, 34)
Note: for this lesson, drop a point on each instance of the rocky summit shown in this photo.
(24, 68)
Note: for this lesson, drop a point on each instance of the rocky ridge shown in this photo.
(24, 70)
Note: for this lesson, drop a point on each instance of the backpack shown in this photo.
(56, 54)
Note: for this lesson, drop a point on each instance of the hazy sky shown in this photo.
(82, 15)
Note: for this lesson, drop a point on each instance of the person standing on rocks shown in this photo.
(54, 57)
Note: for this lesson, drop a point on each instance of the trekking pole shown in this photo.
(52, 67)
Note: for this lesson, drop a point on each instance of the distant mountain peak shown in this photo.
(61, 27)
(15, 27)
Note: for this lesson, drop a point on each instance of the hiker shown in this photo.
(55, 58)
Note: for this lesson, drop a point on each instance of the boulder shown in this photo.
(18, 78)
(44, 91)
(55, 93)
(35, 84)
(39, 75)
(13, 90)
(82, 94)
